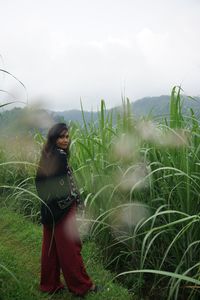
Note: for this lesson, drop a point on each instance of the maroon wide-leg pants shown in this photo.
(61, 249)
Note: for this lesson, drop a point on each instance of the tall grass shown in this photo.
(140, 182)
(4, 173)
(166, 244)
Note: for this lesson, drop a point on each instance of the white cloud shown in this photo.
(153, 45)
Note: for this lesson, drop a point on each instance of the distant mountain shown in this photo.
(153, 106)
(160, 106)
(75, 115)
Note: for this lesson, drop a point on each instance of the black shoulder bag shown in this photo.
(57, 207)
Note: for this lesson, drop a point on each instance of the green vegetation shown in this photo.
(20, 255)
(140, 182)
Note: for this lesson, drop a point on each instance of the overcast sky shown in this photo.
(92, 49)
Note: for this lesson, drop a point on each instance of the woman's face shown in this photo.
(63, 140)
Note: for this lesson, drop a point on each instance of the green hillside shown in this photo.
(154, 106)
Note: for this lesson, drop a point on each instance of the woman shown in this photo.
(61, 244)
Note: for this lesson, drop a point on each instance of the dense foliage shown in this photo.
(140, 182)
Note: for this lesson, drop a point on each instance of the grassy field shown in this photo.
(20, 263)
(141, 186)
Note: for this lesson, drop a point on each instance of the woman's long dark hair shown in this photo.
(53, 135)
(50, 146)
